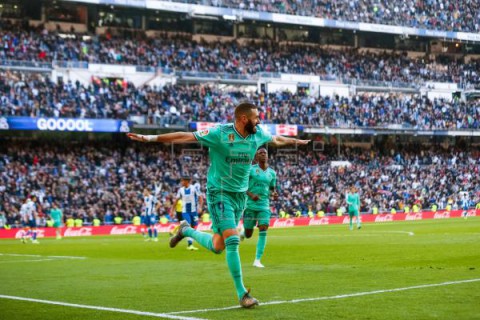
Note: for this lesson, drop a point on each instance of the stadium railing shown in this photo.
(211, 76)
(25, 65)
(70, 64)
(377, 83)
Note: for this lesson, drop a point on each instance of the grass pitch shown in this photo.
(328, 271)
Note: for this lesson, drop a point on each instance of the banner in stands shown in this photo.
(64, 124)
(274, 129)
(274, 223)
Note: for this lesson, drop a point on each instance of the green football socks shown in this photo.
(205, 239)
(234, 265)
(262, 242)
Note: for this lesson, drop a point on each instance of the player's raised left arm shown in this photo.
(175, 137)
(280, 141)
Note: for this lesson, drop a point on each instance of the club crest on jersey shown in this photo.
(231, 137)
(203, 133)
(257, 171)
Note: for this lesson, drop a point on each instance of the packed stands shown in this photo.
(183, 54)
(35, 95)
(107, 179)
(461, 15)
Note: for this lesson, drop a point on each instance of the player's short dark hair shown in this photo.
(244, 108)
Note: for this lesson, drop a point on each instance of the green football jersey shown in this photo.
(353, 201)
(231, 156)
(56, 214)
(260, 184)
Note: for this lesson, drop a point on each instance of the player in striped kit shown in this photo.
(192, 201)
(28, 212)
(150, 215)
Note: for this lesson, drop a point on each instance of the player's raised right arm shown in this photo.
(175, 137)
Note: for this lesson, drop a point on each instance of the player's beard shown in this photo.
(250, 127)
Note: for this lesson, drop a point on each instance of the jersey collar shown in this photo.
(238, 133)
(262, 169)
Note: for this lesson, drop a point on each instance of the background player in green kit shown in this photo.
(232, 148)
(263, 180)
(353, 202)
(56, 215)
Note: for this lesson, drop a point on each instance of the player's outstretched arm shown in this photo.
(175, 137)
(280, 141)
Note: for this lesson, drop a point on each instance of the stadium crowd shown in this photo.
(35, 95)
(106, 179)
(182, 54)
(462, 15)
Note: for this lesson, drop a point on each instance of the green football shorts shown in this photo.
(253, 217)
(226, 209)
(353, 212)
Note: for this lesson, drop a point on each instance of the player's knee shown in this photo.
(248, 233)
(263, 228)
(218, 244)
(217, 251)
(218, 247)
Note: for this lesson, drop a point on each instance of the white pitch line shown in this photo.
(341, 296)
(360, 233)
(83, 306)
(410, 233)
(66, 257)
(37, 255)
(29, 260)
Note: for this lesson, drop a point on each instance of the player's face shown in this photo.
(252, 121)
(262, 155)
(185, 183)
